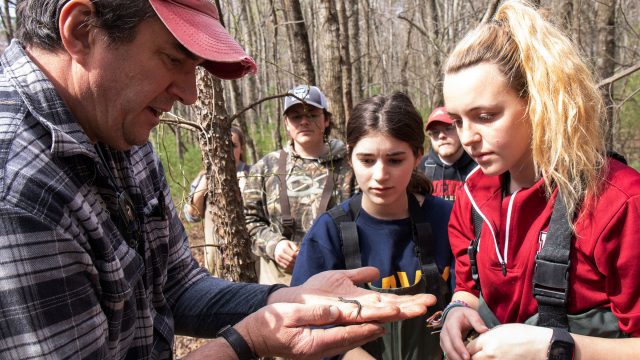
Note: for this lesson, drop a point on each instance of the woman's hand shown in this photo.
(512, 341)
(459, 322)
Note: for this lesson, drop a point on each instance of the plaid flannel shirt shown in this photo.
(70, 285)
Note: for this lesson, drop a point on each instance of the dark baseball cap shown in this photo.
(310, 94)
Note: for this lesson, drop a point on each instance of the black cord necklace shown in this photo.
(126, 211)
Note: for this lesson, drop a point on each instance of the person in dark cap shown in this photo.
(95, 261)
(288, 188)
(446, 165)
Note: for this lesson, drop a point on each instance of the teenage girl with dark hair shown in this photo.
(399, 227)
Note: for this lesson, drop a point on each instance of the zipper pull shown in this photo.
(504, 269)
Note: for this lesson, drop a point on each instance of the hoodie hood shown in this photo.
(435, 169)
(337, 151)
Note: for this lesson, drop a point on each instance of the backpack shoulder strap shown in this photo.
(345, 221)
(617, 156)
(472, 251)
(424, 247)
(288, 223)
(551, 275)
(327, 191)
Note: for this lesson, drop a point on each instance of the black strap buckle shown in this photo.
(287, 222)
(550, 282)
(472, 251)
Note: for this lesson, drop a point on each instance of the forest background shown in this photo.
(353, 49)
(360, 48)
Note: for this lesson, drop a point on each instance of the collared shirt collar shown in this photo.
(44, 102)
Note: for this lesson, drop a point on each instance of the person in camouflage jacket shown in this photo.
(305, 165)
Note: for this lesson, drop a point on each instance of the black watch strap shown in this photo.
(562, 345)
(237, 342)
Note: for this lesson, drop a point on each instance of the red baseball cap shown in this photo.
(438, 114)
(196, 25)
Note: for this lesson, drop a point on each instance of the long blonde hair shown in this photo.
(564, 105)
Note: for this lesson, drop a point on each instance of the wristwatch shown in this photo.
(237, 342)
(562, 345)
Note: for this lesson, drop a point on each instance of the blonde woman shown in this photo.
(529, 113)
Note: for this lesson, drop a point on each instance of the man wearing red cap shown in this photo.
(95, 261)
(446, 165)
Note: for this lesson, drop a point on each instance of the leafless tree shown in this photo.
(8, 22)
(299, 41)
(226, 238)
(606, 58)
(331, 60)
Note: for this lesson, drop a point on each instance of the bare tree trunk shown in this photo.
(330, 76)
(575, 22)
(566, 15)
(302, 64)
(605, 58)
(369, 47)
(242, 119)
(264, 55)
(433, 31)
(345, 56)
(355, 50)
(251, 85)
(179, 146)
(226, 236)
(404, 76)
(225, 232)
(276, 132)
(7, 22)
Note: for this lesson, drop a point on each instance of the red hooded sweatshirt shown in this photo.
(605, 253)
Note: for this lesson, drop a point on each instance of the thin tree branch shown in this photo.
(177, 120)
(619, 75)
(300, 78)
(629, 26)
(422, 31)
(619, 104)
(250, 106)
(290, 22)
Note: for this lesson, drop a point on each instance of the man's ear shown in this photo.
(75, 32)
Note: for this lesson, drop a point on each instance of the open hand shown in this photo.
(294, 331)
(327, 287)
